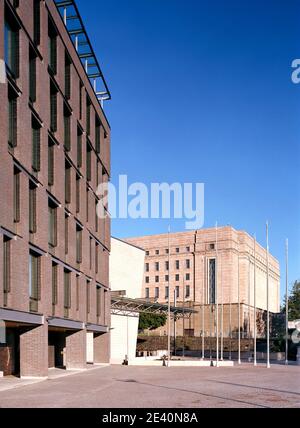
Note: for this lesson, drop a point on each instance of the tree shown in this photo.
(294, 302)
(152, 321)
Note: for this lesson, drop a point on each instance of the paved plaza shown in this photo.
(161, 387)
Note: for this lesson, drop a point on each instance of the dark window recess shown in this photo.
(51, 163)
(53, 108)
(67, 292)
(68, 171)
(52, 223)
(166, 292)
(88, 297)
(78, 183)
(68, 65)
(54, 286)
(156, 292)
(52, 39)
(17, 177)
(66, 234)
(36, 146)
(87, 204)
(88, 162)
(37, 21)
(88, 115)
(79, 148)
(187, 291)
(147, 279)
(12, 119)
(147, 294)
(80, 99)
(77, 292)
(98, 135)
(177, 278)
(96, 216)
(6, 267)
(16, 3)
(97, 258)
(32, 207)
(177, 292)
(99, 292)
(12, 47)
(34, 281)
(78, 244)
(67, 130)
(32, 76)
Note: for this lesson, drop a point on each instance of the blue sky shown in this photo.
(202, 92)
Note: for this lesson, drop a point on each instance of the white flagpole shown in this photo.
(217, 296)
(239, 314)
(255, 361)
(268, 310)
(222, 315)
(169, 303)
(203, 308)
(287, 305)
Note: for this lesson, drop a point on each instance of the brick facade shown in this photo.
(34, 339)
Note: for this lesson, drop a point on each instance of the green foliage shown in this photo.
(294, 302)
(152, 321)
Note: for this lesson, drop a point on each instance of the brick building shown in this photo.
(54, 151)
(203, 264)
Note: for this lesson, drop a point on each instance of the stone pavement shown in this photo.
(161, 387)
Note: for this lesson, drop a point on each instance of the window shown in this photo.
(32, 76)
(17, 175)
(11, 40)
(167, 265)
(157, 252)
(187, 291)
(51, 163)
(53, 108)
(78, 181)
(177, 250)
(77, 292)
(80, 99)
(147, 267)
(167, 251)
(96, 216)
(68, 171)
(212, 281)
(157, 266)
(88, 298)
(99, 300)
(12, 119)
(177, 278)
(147, 279)
(157, 279)
(79, 148)
(167, 278)
(54, 287)
(177, 290)
(188, 264)
(97, 258)
(166, 292)
(187, 277)
(32, 207)
(98, 134)
(67, 292)
(78, 244)
(36, 146)
(6, 268)
(88, 162)
(87, 203)
(147, 295)
(67, 129)
(34, 281)
(52, 38)
(52, 223)
(66, 234)
(88, 115)
(36, 22)
(177, 265)
(188, 249)
(68, 64)
(156, 292)
(211, 246)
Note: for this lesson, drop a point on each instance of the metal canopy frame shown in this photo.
(130, 307)
(73, 22)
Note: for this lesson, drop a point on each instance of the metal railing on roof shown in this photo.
(75, 27)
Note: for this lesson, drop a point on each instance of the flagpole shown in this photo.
(255, 360)
(217, 296)
(287, 305)
(268, 310)
(222, 316)
(203, 308)
(239, 314)
(169, 303)
(175, 304)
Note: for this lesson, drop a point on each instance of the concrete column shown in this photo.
(76, 350)
(34, 352)
(102, 348)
